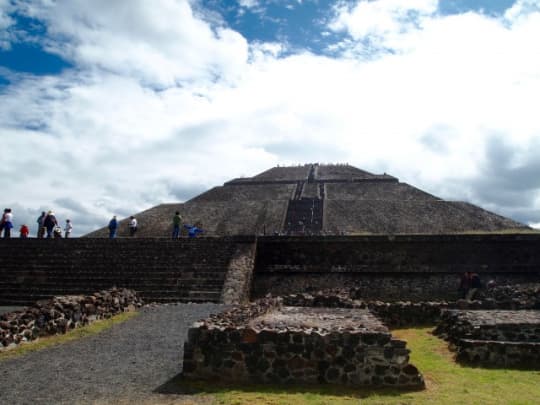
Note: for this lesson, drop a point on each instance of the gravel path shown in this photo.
(125, 364)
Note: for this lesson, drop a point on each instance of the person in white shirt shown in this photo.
(7, 223)
(132, 226)
(68, 228)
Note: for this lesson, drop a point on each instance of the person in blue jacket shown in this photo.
(193, 230)
(113, 226)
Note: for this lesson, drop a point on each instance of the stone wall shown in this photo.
(411, 217)
(406, 313)
(158, 269)
(499, 354)
(350, 348)
(62, 314)
(497, 325)
(493, 338)
(376, 191)
(247, 193)
(413, 267)
(237, 286)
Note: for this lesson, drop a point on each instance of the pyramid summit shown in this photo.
(314, 199)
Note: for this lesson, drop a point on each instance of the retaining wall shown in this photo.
(401, 267)
(158, 269)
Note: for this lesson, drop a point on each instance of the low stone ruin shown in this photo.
(514, 296)
(266, 342)
(412, 313)
(63, 313)
(499, 338)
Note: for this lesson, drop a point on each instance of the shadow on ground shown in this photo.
(178, 385)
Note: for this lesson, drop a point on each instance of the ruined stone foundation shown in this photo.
(273, 344)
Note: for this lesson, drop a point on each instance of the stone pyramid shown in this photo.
(315, 199)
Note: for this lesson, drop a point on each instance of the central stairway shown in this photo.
(305, 209)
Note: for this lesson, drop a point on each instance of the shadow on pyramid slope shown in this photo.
(316, 199)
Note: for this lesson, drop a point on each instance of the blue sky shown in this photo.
(298, 24)
(113, 107)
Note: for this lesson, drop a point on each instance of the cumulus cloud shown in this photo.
(5, 23)
(381, 18)
(160, 45)
(163, 104)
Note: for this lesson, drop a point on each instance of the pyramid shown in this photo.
(315, 199)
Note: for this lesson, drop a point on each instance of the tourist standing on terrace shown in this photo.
(50, 223)
(132, 226)
(177, 221)
(7, 223)
(41, 226)
(113, 226)
(68, 228)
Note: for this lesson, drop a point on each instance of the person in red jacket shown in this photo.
(24, 231)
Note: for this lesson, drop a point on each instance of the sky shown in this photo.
(112, 107)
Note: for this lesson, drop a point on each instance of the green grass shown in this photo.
(74, 334)
(446, 383)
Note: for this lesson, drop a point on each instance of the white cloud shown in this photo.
(158, 45)
(379, 22)
(249, 3)
(5, 23)
(100, 136)
(522, 9)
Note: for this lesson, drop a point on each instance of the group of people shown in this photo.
(178, 224)
(47, 226)
(192, 230)
(113, 226)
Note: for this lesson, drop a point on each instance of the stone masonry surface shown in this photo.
(269, 343)
(186, 270)
(355, 202)
(498, 325)
(389, 268)
(62, 314)
(493, 338)
(407, 313)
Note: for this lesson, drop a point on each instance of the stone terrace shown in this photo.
(494, 338)
(272, 344)
(346, 173)
(247, 193)
(158, 269)
(392, 191)
(415, 216)
(500, 325)
(285, 173)
(217, 218)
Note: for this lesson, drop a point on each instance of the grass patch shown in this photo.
(446, 381)
(74, 334)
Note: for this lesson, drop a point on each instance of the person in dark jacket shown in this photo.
(50, 223)
(177, 222)
(464, 285)
(41, 227)
(476, 284)
(113, 226)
